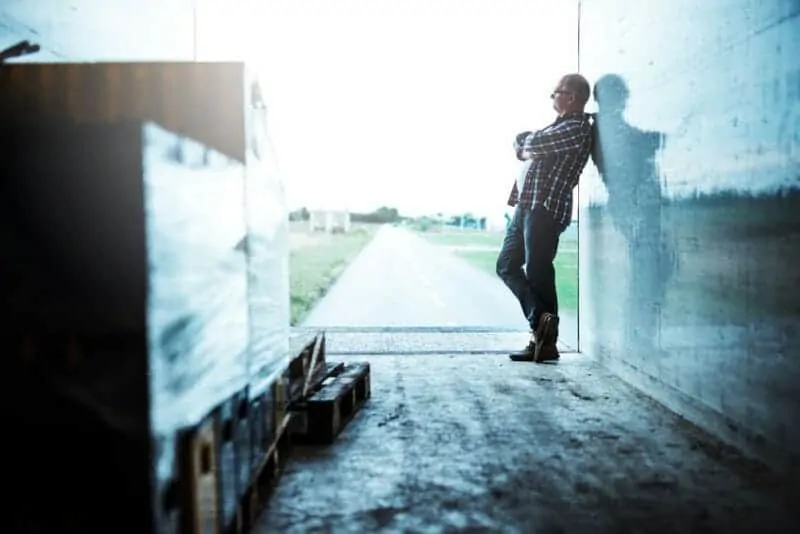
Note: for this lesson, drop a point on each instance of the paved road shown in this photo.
(400, 279)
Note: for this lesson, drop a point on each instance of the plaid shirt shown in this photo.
(559, 153)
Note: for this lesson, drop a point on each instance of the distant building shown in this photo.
(330, 221)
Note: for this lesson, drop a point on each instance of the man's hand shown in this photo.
(520, 140)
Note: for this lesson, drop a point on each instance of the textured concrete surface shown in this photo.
(424, 340)
(689, 237)
(476, 443)
(400, 279)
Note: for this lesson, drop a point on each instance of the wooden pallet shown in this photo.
(262, 425)
(231, 461)
(200, 495)
(321, 417)
(331, 370)
(233, 456)
(265, 476)
(307, 369)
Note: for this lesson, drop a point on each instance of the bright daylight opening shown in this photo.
(393, 125)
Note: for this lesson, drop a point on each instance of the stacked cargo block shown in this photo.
(145, 289)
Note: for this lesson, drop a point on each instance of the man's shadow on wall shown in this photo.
(625, 157)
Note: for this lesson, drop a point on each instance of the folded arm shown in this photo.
(564, 137)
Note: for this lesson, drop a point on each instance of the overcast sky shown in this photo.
(408, 103)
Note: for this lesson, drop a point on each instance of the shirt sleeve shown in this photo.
(512, 198)
(563, 137)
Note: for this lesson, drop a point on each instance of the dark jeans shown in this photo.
(531, 240)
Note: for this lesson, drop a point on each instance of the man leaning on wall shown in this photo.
(542, 197)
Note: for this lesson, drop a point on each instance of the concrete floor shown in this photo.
(477, 443)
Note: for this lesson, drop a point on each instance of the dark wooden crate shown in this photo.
(321, 418)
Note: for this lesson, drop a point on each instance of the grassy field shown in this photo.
(481, 249)
(316, 260)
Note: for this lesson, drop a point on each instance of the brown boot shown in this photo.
(547, 353)
(527, 354)
(546, 336)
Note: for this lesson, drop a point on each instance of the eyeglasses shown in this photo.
(560, 92)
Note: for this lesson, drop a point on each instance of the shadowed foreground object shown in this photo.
(126, 307)
(92, 304)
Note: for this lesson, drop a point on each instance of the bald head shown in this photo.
(578, 86)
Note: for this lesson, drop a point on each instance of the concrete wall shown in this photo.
(689, 237)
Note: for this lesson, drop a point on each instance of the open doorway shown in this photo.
(393, 124)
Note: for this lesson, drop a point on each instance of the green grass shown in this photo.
(566, 273)
(314, 268)
(566, 263)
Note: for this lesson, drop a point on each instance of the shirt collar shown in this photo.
(577, 114)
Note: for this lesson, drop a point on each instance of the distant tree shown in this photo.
(383, 215)
(386, 214)
(299, 214)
